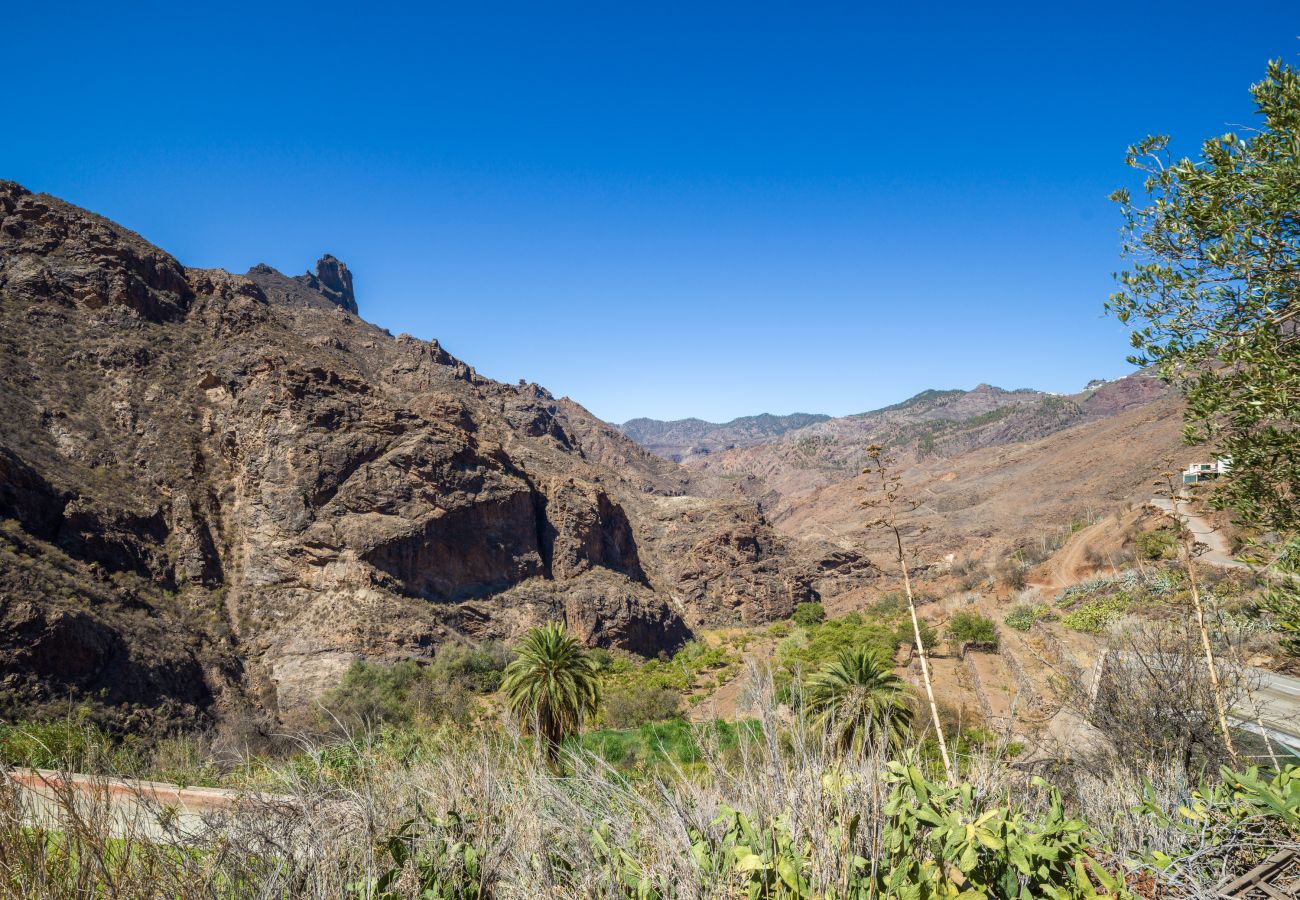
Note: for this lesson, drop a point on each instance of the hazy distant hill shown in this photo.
(942, 423)
(682, 438)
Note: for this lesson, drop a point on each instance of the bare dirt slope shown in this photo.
(987, 502)
(934, 424)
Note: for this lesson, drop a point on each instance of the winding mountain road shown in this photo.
(1219, 550)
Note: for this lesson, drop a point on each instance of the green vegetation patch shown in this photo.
(969, 627)
(675, 741)
(1093, 616)
(1023, 615)
(446, 688)
(73, 742)
(808, 614)
(807, 649)
(1159, 544)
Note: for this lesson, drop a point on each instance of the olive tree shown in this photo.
(1213, 294)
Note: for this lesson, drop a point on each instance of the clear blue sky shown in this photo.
(658, 209)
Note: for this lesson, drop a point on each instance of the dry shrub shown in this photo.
(332, 812)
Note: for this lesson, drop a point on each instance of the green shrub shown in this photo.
(969, 627)
(401, 692)
(1093, 616)
(889, 605)
(808, 614)
(780, 629)
(73, 742)
(811, 648)
(373, 693)
(631, 684)
(477, 667)
(634, 705)
(1159, 544)
(1022, 616)
(904, 634)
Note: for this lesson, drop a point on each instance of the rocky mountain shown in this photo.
(218, 490)
(991, 501)
(933, 424)
(991, 470)
(681, 439)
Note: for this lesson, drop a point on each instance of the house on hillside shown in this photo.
(1198, 472)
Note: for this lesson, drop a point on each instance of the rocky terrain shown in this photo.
(682, 439)
(933, 424)
(218, 490)
(992, 470)
(1023, 496)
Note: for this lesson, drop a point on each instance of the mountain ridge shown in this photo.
(677, 439)
(218, 491)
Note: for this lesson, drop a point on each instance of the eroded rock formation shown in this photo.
(222, 489)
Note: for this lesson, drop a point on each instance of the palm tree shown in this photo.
(859, 699)
(552, 685)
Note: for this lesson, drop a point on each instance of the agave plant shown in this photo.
(859, 700)
(552, 685)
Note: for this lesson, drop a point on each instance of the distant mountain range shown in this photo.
(683, 438)
(1007, 463)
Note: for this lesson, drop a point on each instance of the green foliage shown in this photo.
(1093, 616)
(1212, 296)
(73, 742)
(765, 862)
(859, 701)
(1023, 615)
(807, 614)
(809, 649)
(629, 683)
(402, 692)
(968, 627)
(552, 686)
(674, 742)
(937, 843)
(940, 842)
(444, 856)
(1252, 802)
(905, 634)
(628, 706)
(1282, 599)
(373, 693)
(621, 869)
(1159, 544)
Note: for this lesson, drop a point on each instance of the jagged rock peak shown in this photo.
(334, 280)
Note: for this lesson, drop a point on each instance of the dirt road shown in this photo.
(1219, 551)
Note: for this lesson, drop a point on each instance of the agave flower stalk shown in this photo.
(887, 502)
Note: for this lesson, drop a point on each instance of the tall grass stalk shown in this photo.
(886, 502)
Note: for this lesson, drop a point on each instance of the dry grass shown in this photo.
(323, 831)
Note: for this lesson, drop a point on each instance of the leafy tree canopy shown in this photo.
(1212, 294)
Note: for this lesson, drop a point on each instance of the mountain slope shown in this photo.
(936, 423)
(987, 502)
(680, 439)
(219, 490)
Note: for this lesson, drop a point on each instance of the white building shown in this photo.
(1198, 472)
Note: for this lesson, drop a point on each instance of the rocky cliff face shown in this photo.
(219, 489)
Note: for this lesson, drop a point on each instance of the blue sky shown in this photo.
(657, 209)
